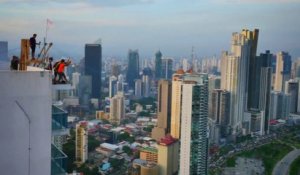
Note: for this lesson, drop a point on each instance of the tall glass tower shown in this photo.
(158, 66)
(133, 67)
(194, 116)
(93, 67)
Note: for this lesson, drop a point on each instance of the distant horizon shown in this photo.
(173, 26)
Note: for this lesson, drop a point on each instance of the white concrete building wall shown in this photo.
(25, 122)
(186, 119)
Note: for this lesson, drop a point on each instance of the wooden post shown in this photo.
(25, 51)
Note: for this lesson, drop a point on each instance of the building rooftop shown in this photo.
(149, 149)
(167, 140)
(109, 146)
(144, 163)
(118, 129)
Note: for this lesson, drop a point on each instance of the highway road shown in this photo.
(282, 167)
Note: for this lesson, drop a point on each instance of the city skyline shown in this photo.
(172, 26)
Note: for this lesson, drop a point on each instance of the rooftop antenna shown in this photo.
(98, 41)
(193, 59)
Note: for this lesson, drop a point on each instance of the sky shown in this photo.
(173, 26)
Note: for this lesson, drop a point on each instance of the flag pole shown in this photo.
(46, 30)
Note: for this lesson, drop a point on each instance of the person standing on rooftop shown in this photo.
(33, 45)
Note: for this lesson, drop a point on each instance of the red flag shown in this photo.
(49, 23)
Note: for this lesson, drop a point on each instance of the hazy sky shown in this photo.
(173, 26)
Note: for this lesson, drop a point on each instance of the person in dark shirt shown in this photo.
(33, 45)
(49, 66)
(14, 63)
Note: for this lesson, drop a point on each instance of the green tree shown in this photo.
(127, 150)
(104, 121)
(87, 171)
(69, 150)
(92, 143)
(148, 128)
(126, 137)
(144, 114)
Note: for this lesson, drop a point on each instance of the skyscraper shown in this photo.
(146, 85)
(292, 88)
(234, 75)
(85, 89)
(75, 83)
(112, 86)
(115, 70)
(252, 36)
(176, 103)
(220, 103)
(296, 67)
(163, 110)
(283, 70)
(93, 67)
(117, 109)
(81, 143)
(194, 116)
(4, 51)
(214, 83)
(167, 68)
(265, 94)
(138, 88)
(279, 105)
(168, 155)
(264, 60)
(185, 64)
(158, 65)
(133, 67)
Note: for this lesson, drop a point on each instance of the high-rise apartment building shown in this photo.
(194, 118)
(149, 154)
(158, 65)
(168, 155)
(176, 103)
(167, 68)
(93, 67)
(292, 88)
(163, 110)
(234, 76)
(4, 51)
(133, 67)
(81, 143)
(283, 70)
(117, 109)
